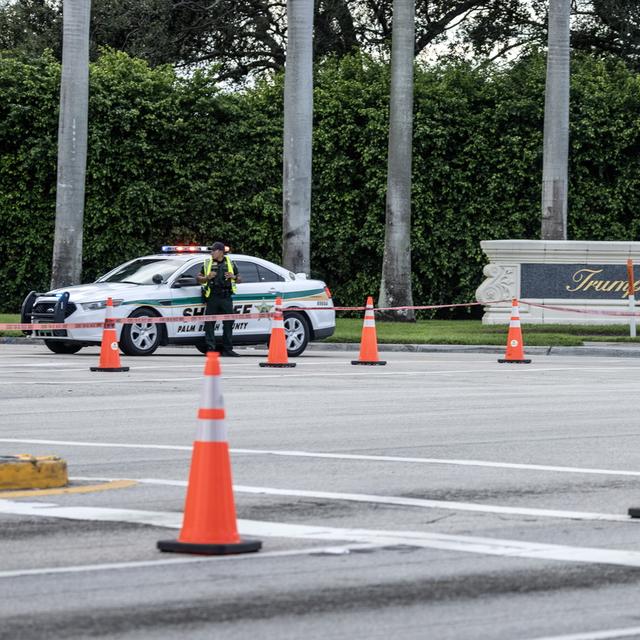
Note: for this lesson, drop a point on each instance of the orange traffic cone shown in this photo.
(369, 339)
(109, 349)
(209, 526)
(278, 356)
(515, 346)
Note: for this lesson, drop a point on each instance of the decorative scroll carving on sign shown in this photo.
(499, 285)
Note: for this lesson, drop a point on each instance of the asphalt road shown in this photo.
(444, 496)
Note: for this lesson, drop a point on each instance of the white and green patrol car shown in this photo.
(165, 285)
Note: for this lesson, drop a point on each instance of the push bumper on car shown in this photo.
(38, 308)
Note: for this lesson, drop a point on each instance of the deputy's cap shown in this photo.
(217, 246)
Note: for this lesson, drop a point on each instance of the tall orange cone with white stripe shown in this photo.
(515, 346)
(369, 338)
(109, 348)
(278, 356)
(209, 526)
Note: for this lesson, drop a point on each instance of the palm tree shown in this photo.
(395, 286)
(72, 144)
(556, 123)
(298, 113)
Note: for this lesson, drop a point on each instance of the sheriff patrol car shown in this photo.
(165, 285)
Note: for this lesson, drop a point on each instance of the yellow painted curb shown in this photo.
(29, 472)
(84, 488)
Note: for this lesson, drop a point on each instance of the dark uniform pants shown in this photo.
(215, 305)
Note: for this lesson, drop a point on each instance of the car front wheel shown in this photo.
(62, 347)
(140, 338)
(297, 332)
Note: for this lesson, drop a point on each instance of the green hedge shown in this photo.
(176, 160)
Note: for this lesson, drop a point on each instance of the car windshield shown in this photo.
(141, 271)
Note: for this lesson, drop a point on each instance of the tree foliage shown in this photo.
(610, 26)
(175, 160)
(248, 39)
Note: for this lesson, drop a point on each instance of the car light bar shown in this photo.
(183, 248)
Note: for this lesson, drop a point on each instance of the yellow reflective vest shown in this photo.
(206, 288)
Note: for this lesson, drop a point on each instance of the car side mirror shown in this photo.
(157, 279)
(185, 281)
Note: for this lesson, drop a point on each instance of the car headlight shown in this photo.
(99, 304)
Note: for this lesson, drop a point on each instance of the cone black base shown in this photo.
(244, 546)
(286, 365)
(634, 512)
(516, 361)
(369, 362)
(109, 368)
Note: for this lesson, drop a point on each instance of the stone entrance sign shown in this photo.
(570, 274)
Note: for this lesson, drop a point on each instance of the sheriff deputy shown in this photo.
(218, 278)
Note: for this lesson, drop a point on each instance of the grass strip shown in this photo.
(10, 317)
(473, 332)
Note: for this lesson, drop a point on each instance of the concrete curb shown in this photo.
(607, 350)
(420, 348)
(604, 349)
(29, 472)
(19, 340)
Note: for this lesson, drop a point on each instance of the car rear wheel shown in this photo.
(202, 347)
(62, 347)
(143, 338)
(297, 332)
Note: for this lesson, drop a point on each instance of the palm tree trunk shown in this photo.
(556, 123)
(298, 113)
(72, 144)
(395, 286)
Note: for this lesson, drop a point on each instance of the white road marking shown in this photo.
(609, 634)
(102, 381)
(11, 365)
(247, 361)
(421, 539)
(144, 564)
(371, 372)
(67, 366)
(396, 500)
(450, 461)
(115, 445)
(342, 456)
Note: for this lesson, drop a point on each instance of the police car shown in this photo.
(165, 285)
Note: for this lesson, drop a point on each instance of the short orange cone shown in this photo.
(515, 346)
(109, 349)
(278, 356)
(209, 525)
(369, 338)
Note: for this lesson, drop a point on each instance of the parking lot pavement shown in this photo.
(441, 496)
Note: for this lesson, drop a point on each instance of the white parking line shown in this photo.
(395, 500)
(421, 539)
(144, 564)
(342, 456)
(609, 634)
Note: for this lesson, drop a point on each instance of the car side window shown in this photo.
(193, 271)
(247, 271)
(266, 275)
